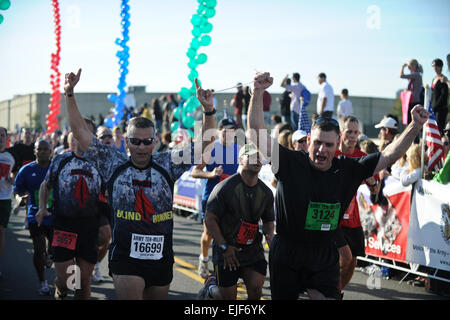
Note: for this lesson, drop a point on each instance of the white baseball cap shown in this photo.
(387, 122)
(298, 135)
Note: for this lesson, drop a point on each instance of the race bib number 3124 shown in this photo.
(146, 247)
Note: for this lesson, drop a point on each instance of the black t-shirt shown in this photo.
(23, 154)
(239, 208)
(305, 193)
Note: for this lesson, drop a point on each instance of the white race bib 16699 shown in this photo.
(146, 247)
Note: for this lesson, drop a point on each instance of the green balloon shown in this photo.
(5, 4)
(191, 104)
(210, 3)
(209, 13)
(195, 44)
(192, 64)
(201, 8)
(191, 53)
(190, 108)
(196, 19)
(205, 40)
(1, 19)
(177, 112)
(196, 32)
(188, 122)
(174, 126)
(201, 58)
(206, 28)
(191, 134)
(184, 93)
(192, 75)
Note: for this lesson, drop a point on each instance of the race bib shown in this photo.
(322, 216)
(146, 247)
(64, 239)
(247, 233)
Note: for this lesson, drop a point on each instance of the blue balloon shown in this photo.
(108, 122)
(123, 54)
(112, 97)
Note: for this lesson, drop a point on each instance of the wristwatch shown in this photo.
(209, 113)
(223, 247)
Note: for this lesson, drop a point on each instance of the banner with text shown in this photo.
(385, 224)
(429, 228)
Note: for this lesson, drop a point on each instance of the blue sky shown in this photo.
(360, 45)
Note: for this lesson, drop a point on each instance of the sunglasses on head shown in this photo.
(329, 120)
(137, 141)
(106, 136)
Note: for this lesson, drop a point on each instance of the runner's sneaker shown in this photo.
(59, 295)
(203, 269)
(97, 276)
(43, 289)
(203, 294)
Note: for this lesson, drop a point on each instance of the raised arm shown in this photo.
(255, 121)
(398, 147)
(76, 121)
(205, 97)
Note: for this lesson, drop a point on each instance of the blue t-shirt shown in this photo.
(225, 156)
(29, 179)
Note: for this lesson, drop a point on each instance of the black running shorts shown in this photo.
(227, 278)
(354, 237)
(153, 276)
(85, 234)
(295, 268)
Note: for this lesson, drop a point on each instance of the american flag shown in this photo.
(435, 147)
(303, 121)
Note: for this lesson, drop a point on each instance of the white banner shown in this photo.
(429, 225)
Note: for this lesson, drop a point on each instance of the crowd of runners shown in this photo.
(101, 198)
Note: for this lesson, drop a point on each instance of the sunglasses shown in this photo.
(106, 136)
(329, 120)
(137, 141)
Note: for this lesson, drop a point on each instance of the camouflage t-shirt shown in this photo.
(141, 202)
(76, 185)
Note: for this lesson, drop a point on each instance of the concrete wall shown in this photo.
(19, 110)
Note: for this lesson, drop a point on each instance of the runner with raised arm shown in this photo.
(313, 192)
(140, 190)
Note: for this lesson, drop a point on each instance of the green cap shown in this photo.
(247, 149)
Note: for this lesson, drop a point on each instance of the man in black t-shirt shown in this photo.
(233, 211)
(314, 189)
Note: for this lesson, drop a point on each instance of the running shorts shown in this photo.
(354, 237)
(153, 276)
(227, 278)
(5, 212)
(295, 268)
(85, 234)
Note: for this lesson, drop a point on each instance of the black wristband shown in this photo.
(209, 113)
(69, 95)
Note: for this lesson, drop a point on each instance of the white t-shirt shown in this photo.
(326, 91)
(344, 108)
(296, 90)
(6, 165)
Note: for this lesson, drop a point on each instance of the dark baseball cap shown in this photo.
(227, 123)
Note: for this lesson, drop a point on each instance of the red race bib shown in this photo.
(64, 239)
(247, 233)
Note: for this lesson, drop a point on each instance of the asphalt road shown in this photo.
(19, 280)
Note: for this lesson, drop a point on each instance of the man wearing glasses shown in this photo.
(140, 191)
(314, 189)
